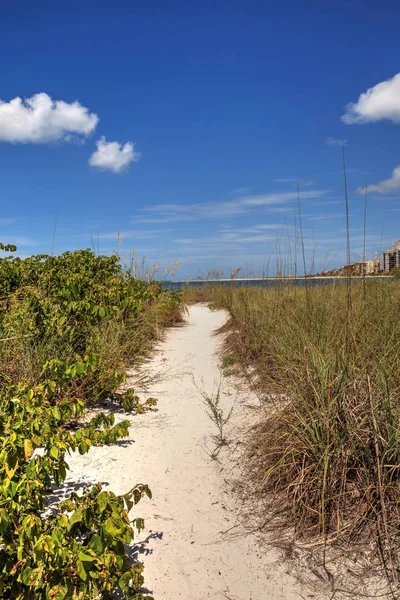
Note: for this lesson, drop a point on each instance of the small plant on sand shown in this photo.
(216, 413)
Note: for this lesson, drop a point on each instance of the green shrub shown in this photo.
(77, 552)
(69, 326)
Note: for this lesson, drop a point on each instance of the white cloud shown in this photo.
(379, 102)
(112, 156)
(386, 186)
(40, 119)
(330, 141)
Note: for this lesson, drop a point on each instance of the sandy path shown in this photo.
(192, 546)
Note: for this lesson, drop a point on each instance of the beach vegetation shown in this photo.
(69, 327)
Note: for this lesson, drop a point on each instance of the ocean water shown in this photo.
(270, 282)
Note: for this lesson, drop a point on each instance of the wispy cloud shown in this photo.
(285, 180)
(215, 210)
(18, 240)
(232, 237)
(40, 119)
(325, 202)
(339, 241)
(301, 182)
(186, 240)
(251, 238)
(8, 221)
(326, 217)
(172, 217)
(331, 141)
(379, 102)
(239, 191)
(131, 234)
(257, 228)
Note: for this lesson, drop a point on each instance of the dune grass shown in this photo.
(328, 452)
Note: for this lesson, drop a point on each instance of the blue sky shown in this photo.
(192, 124)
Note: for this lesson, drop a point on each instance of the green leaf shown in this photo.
(76, 517)
(139, 524)
(80, 368)
(54, 452)
(81, 570)
(86, 557)
(128, 502)
(123, 582)
(94, 574)
(102, 501)
(26, 575)
(63, 521)
(56, 413)
(111, 526)
(96, 544)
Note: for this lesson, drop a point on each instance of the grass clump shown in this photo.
(327, 455)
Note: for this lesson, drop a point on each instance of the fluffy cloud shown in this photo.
(379, 102)
(386, 186)
(112, 156)
(40, 119)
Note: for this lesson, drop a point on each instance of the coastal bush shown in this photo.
(69, 326)
(64, 307)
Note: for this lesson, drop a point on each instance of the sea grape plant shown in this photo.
(55, 360)
(78, 551)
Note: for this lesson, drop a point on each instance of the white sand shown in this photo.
(193, 546)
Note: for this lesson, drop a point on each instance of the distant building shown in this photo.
(370, 267)
(391, 258)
